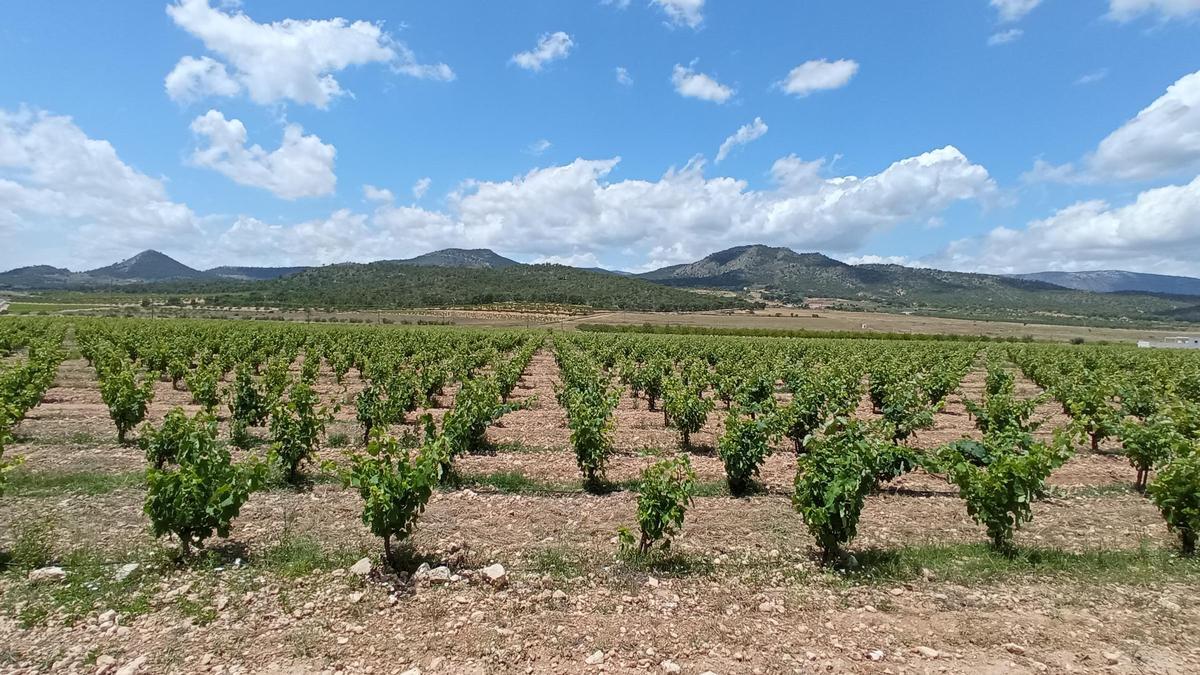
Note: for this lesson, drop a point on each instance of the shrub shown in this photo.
(127, 398)
(296, 429)
(590, 416)
(743, 448)
(834, 478)
(177, 438)
(685, 407)
(905, 409)
(1148, 443)
(395, 486)
(203, 381)
(1176, 493)
(664, 494)
(246, 404)
(999, 492)
(202, 494)
(804, 413)
(476, 407)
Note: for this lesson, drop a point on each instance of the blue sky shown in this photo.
(993, 135)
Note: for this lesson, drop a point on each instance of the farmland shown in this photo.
(207, 491)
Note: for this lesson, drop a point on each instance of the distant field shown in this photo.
(830, 320)
(48, 307)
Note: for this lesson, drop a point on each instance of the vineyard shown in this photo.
(253, 497)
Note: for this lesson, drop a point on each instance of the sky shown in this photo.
(977, 135)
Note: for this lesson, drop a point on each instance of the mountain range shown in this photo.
(734, 277)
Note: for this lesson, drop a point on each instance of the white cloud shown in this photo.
(1157, 232)
(1004, 37)
(1163, 139)
(74, 193)
(550, 47)
(1014, 10)
(379, 195)
(688, 13)
(576, 259)
(572, 209)
(290, 59)
(193, 78)
(691, 84)
(880, 260)
(302, 166)
(538, 147)
(420, 187)
(747, 133)
(1092, 77)
(1127, 10)
(623, 77)
(818, 75)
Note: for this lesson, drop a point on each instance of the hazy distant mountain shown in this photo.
(784, 275)
(253, 273)
(147, 266)
(1116, 281)
(472, 258)
(39, 276)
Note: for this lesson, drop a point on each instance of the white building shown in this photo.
(1178, 342)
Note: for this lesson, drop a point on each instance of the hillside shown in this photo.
(1117, 281)
(252, 273)
(783, 275)
(474, 258)
(399, 284)
(146, 266)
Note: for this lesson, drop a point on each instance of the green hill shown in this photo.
(781, 274)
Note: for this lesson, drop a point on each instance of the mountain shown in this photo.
(252, 273)
(755, 265)
(397, 284)
(146, 266)
(1117, 281)
(780, 274)
(471, 258)
(39, 276)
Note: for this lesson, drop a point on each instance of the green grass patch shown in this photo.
(974, 564)
(296, 556)
(560, 563)
(89, 589)
(1110, 490)
(24, 483)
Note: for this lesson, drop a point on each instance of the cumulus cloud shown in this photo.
(420, 187)
(75, 189)
(1163, 140)
(379, 195)
(747, 133)
(576, 259)
(194, 78)
(688, 13)
(1156, 233)
(623, 77)
(871, 259)
(550, 47)
(288, 60)
(818, 75)
(572, 208)
(302, 166)
(1127, 10)
(1014, 10)
(1005, 36)
(691, 84)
